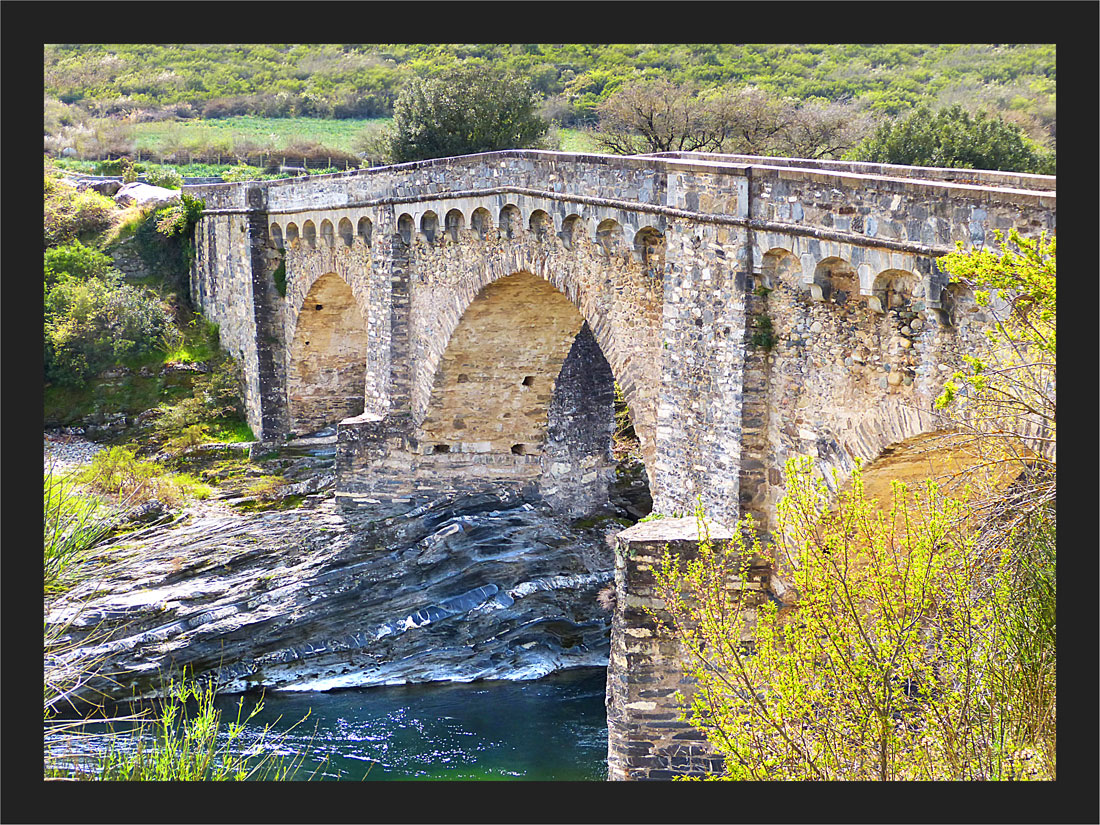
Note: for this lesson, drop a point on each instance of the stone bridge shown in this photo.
(464, 322)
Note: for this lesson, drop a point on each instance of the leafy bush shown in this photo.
(164, 176)
(75, 260)
(469, 110)
(895, 662)
(952, 138)
(215, 401)
(69, 215)
(92, 324)
(120, 473)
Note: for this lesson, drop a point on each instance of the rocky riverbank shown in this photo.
(469, 587)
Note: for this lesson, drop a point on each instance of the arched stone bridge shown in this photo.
(463, 322)
(464, 318)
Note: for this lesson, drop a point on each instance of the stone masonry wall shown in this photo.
(647, 686)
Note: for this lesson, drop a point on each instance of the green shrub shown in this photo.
(93, 324)
(118, 472)
(69, 215)
(952, 138)
(76, 260)
(164, 176)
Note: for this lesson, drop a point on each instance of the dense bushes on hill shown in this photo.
(361, 81)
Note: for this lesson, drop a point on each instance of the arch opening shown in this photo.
(481, 222)
(364, 230)
(779, 265)
(309, 234)
(893, 289)
(523, 392)
(326, 375)
(455, 223)
(347, 232)
(835, 280)
(510, 221)
(429, 226)
(405, 227)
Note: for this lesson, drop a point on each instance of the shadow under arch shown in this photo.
(523, 390)
(326, 375)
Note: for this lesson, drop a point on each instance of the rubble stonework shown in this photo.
(451, 316)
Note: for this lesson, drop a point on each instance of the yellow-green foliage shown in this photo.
(187, 740)
(118, 472)
(893, 663)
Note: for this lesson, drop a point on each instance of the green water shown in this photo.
(553, 728)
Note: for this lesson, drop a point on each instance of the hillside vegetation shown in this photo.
(107, 99)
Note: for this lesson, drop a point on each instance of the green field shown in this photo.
(250, 131)
(247, 133)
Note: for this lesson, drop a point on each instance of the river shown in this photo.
(554, 728)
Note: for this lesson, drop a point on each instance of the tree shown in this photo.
(952, 138)
(661, 116)
(658, 116)
(468, 110)
(890, 665)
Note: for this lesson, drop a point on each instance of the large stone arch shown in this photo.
(603, 294)
(327, 361)
(523, 390)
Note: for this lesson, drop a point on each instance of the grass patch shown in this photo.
(578, 140)
(262, 505)
(118, 472)
(72, 523)
(182, 738)
(230, 431)
(272, 134)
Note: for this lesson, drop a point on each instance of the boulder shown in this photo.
(144, 193)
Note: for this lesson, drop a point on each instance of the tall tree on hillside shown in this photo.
(472, 109)
(658, 116)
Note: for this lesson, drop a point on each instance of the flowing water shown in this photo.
(553, 728)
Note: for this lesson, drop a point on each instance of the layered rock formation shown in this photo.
(469, 587)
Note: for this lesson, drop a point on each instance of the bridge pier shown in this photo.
(647, 738)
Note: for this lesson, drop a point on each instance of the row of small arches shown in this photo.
(609, 235)
(308, 235)
(836, 280)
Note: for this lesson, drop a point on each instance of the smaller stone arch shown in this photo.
(649, 248)
(481, 222)
(778, 266)
(541, 224)
(429, 226)
(328, 237)
(892, 289)
(609, 235)
(405, 227)
(309, 234)
(276, 236)
(955, 301)
(347, 231)
(455, 222)
(510, 220)
(835, 280)
(570, 227)
(292, 234)
(364, 230)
